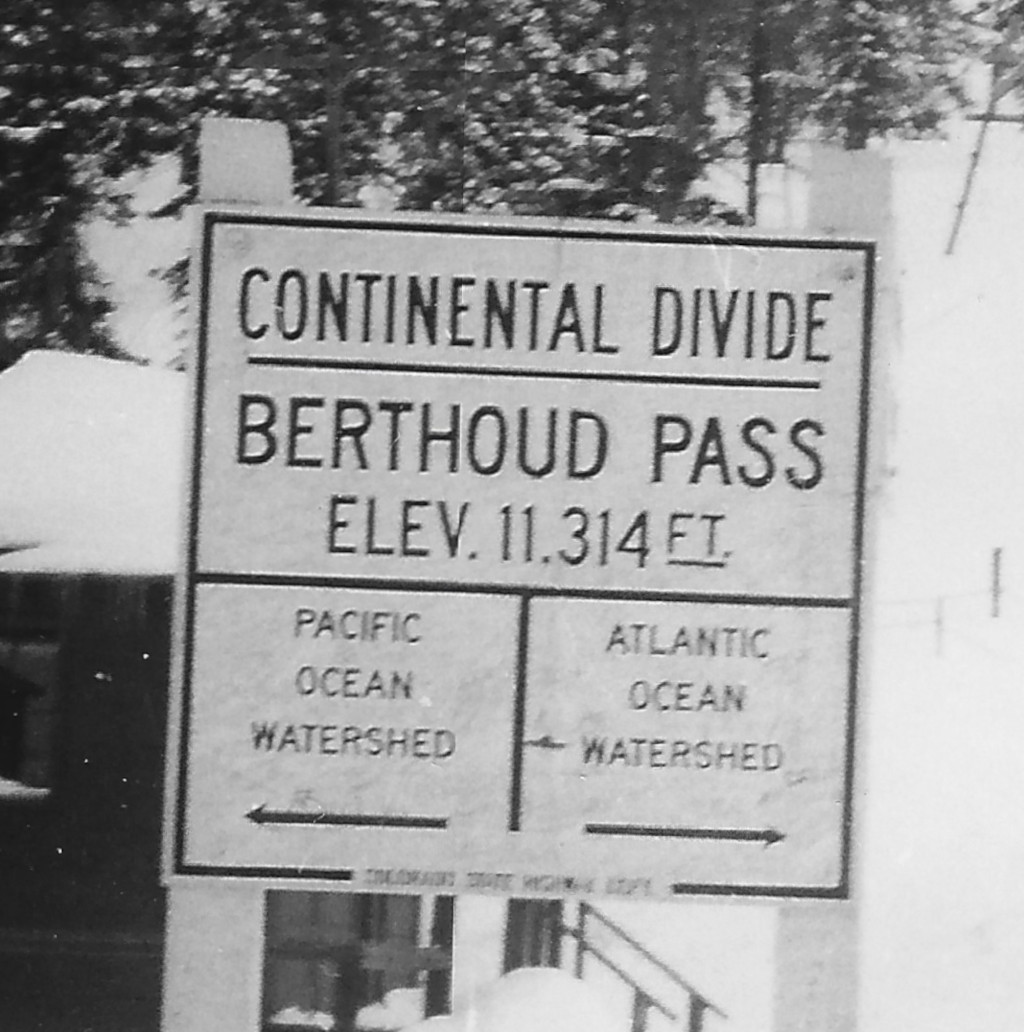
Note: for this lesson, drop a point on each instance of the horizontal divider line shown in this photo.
(513, 590)
(460, 225)
(347, 875)
(251, 871)
(441, 369)
(794, 891)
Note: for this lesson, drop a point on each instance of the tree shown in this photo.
(858, 69)
(562, 107)
(88, 92)
(55, 73)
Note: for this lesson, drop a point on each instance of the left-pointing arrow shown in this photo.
(262, 815)
(544, 742)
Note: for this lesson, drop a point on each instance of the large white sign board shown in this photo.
(523, 558)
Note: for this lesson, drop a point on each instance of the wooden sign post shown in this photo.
(523, 558)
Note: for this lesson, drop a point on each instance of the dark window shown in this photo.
(28, 711)
(329, 955)
(533, 933)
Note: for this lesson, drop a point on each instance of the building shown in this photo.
(91, 473)
(92, 461)
(89, 479)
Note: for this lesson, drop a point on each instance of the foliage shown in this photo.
(887, 65)
(58, 75)
(559, 107)
(857, 69)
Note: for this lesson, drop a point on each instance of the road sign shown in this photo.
(523, 557)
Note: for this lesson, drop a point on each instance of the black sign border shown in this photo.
(190, 577)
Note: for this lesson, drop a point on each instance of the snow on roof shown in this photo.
(16, 790)
(91, 465)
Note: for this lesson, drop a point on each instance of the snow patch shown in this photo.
(297, 1017)
(91, 465)
(398, 1009)
(529, 999)
(19, 792)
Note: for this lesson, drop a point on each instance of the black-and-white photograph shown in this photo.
(508, 515)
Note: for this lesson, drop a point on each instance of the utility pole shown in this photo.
(333, 62)
(758, 105)
(1007, 75)
(997, 585)
(332, 65)
(334, 88)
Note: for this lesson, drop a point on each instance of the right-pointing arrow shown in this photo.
(766, 836)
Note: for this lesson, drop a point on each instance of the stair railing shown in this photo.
(643, 1000)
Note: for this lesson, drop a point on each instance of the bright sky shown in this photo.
(944, 843)
(131, 258)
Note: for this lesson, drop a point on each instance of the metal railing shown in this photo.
(644, 1001)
